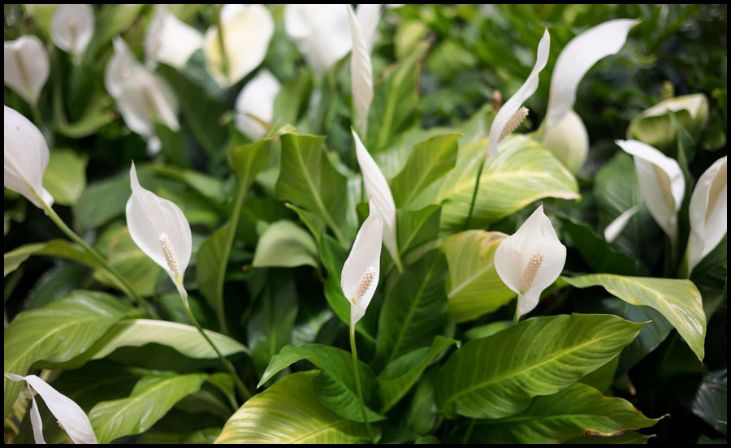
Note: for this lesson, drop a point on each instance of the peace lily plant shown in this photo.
(72, 28)
(26, 68)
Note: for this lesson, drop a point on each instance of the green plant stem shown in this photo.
(478, 176)
(37, 117)
(516, 316)
(123, 284)
(243, 390)
(468, 433)
(222, 42)
(356, 374)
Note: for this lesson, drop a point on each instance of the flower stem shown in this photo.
(122, 283)
(243, 390)
(481, 167)
(468, 433)
(356, 373)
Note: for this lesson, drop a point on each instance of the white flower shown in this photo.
(361, 71)
(530, 260)
(661, 181)
(255, 104)
(159, 228)
(25, 156)
(73, 27)
(368, 17)
(247, 30)
(655, 127)
(26, 67)
(565, 134)
(708, 220)
(321, 33)
(170, 41)
(620, 222)
(506, 116)
(380, 197)
(69, 415)
(361, 270)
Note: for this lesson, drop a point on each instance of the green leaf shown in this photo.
(111, 21)
(473, 286)
(414, 310)
(400, 375)
(336, 385)
(417, 227)
(429, 160)
(483, 331)
(152, 398)
(497, 376)
(290, 412)
(308, 179)
(285, 244)
(677, 300)
(627, 438)
(711, 400)
(65, 176)
(571, 413)
(56, 332)
(55, 248)
(333, 257)
(103, 200)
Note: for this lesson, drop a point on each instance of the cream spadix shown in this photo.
(159, 228)
(255, 104)
(361, 71)
(72, 27)
(69, 415)
(25, 158)
(661, 182)
(321, 33)
(361, 270)
(530, 260)
(26, 67)
(708, 206)
(170, 41)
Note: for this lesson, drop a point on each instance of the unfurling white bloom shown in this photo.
(73, 27)
(361, 270)
(530, 260)
(513, 106)
(69, 415)
(661, 182)
(25, 157)
(170, 41)
(321, 33)
(255, 105)
(368, 17)
(159, 228)
(26, 67)
(380, 197)
(655, 126)
(142, 97)
(361, 72)
(565, 134)
(708, 220)
(620, 222)
(247, 30)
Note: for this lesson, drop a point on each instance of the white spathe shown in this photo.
(247, 30)
(26, 67)
(612, 231)
(708, 206)
(255, 104)
(25, 157)
(661, 182)
(72, 27)
(361, 270)
(159, 228)
(380, 197)
(321, 33)
(530, 260)
(568, 140)
(361, 72)
(69, 415)
(169, 40)
(368, 17)
(506, 113)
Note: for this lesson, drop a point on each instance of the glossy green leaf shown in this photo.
(284, 244)
(290, 412)
(498, 376)
(417, 227)
(677, 300)
(54, 248)
(711, 400)
(65, 176)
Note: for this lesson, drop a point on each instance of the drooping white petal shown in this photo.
(620, 222)
(696, 105)
(70, 416)
(568, 141)
(361, 72)
(170, 41)
(361, 270)
(661, 181)
(380, 197)
(26, 67)
(120, 67)
(708, 207)
(159, 229)
(577, 58)
(36, 422)
(73, 27)
(257, 99)
(530, 260)
(368, 17)
(321, 33)
(511, 107)
(25, 157)
(247, 30)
